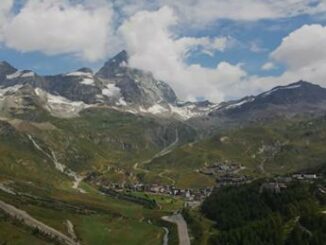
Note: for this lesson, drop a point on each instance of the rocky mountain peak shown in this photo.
(293, 93)
(114, 65)
(5, 69)
(85, 70)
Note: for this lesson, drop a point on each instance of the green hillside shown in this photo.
(262, 149)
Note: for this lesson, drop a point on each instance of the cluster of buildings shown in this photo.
(280, 183)
(232, 180)
(188, 194)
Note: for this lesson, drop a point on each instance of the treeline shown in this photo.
(243, 215)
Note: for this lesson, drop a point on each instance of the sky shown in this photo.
(205, 49)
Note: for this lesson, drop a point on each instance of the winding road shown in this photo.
(182, 228)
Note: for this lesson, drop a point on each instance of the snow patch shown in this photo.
(80, 74)
(157, 109)
(88, 81)
(238, 104)
(281, 88)
(87, 77)
(184, 112)
(121, 102)
(18, 74)
(14, 75)
(111, 90)
(123, 64)
(60, 106)
(28, 74)
(11, 89)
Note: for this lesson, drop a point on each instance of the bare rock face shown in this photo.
(6, 69)
(136, 86)
(300, 99)
(117, 85)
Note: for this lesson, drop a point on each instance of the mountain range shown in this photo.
(118, 86)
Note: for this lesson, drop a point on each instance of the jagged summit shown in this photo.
(120, 57)
(114, 65)
(5, 69)
(85, 70)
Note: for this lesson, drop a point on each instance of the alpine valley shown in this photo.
(101, 156)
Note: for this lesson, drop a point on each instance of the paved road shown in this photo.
(31, 222)
(182, 228)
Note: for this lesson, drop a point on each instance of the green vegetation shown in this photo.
(13, 233)
(97, 219)
(263, 149)
(244, 215)
(121, 147)
(199, 227)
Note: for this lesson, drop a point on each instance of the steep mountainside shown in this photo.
(115, 85)
(297, 100)
(262, 150)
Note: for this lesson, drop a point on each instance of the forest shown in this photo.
(246, 215)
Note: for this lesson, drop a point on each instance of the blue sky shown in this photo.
(213, 49)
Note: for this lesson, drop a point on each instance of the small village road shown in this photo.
(182, 228)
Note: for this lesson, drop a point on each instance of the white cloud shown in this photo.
(150, 32)
(202, 12)
(5, 7)
(304, 47)
(303, 52)
(58, 27)
(152, 46)
(268, 66)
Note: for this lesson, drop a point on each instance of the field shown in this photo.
(97, 219)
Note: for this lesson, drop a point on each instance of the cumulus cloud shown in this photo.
(303, 52)
(5, 7)
(152, 46)
(303, 47)
(59, 27)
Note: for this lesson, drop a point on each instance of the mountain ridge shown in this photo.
(118, 86)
